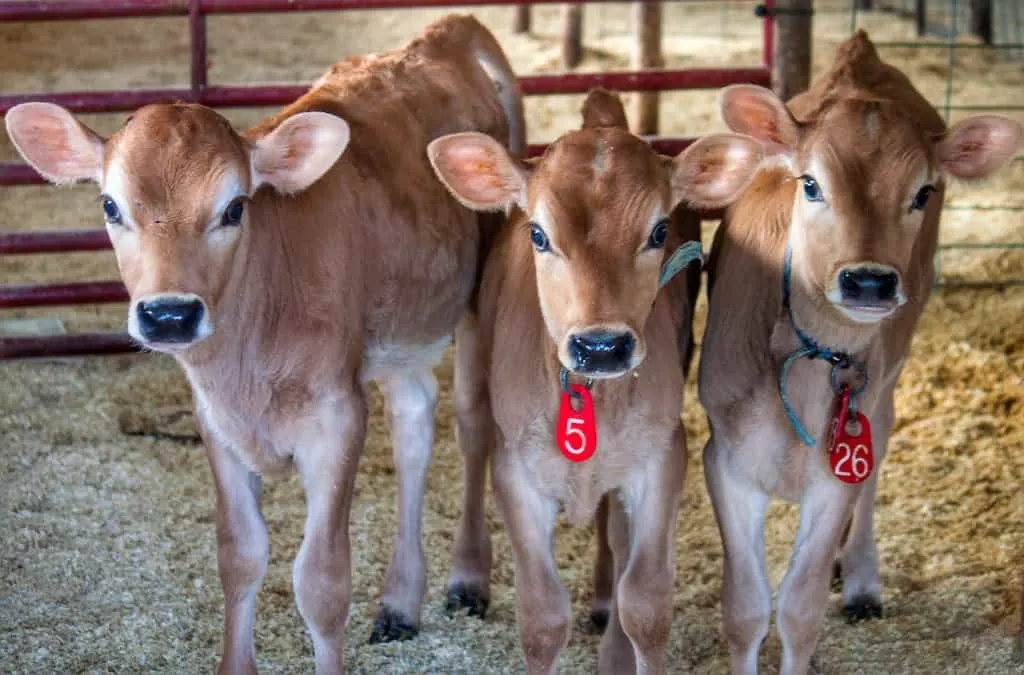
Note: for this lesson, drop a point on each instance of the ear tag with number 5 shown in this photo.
(576, 433)
(850, 452)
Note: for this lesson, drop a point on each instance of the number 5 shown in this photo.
(570, 431)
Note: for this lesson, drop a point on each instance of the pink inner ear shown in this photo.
(749, 114)
(476, 175)
(60, 153)
(979, 147)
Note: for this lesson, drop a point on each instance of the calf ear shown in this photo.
(757, 112)
(713, 172)
(979, 146)
(298, 152)
(56, 144)
(603, 109)
(478, 171)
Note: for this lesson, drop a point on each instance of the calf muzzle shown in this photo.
(172, 319)
(602, 352)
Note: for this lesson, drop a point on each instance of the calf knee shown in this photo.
(645, 609)
(322, 591)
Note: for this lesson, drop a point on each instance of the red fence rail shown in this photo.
(227, 96)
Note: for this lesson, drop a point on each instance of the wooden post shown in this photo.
(572, 35)
(981, 20)
(791, 53)
(646, 54)
(921, 17)
(522, 19)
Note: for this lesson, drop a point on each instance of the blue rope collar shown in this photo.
(810, 349)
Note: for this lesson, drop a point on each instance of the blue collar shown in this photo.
(810, 349)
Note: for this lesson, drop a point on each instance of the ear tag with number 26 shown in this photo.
(576, 434)
(850, 452)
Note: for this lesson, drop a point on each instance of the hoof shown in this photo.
(599, 620)
(463, 596)
(863, 608)
(391, 626)
(836, 585)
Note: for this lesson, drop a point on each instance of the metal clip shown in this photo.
(563, 378)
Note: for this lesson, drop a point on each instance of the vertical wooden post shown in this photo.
(921, 17)
(646, 54)
(572, 35)
(981, 20)
(791, 54)
(521, 24)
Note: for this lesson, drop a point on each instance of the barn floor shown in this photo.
(107, 561)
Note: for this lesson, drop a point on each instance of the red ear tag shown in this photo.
(576, 434)
(850, 451)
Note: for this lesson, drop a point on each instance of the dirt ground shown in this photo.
(107, 557)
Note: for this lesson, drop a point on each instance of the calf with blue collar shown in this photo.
(817, 278)
(580, 339)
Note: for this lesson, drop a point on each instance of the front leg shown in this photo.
(858, 561)
(327, 457)
(410, 402)
(243, 550)
(644, 597)
(739, 508)
(803, 595)
(543, 608)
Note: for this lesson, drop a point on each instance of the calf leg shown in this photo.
(543, 608)
(644, 591)
(243, 550)
(327, 460)
(858, 562)
(616, 654)
(469, 582)
(746, 596)
(604, 571)
(803, 594)
(410, 402)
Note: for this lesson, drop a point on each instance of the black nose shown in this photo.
(601, 351)
(170, 319)
(868, 285)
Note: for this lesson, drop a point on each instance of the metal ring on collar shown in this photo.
(563, 378)
(845, 364)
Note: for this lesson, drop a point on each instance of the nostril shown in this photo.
(887, 285)
(849, 284)
(622, 346)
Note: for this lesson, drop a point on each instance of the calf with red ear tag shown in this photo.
(817, 278)
(581, 318)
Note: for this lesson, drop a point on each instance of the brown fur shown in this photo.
(873, 136)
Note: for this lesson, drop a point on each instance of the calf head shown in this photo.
(596, 208)
(175, 183)
(867, 157)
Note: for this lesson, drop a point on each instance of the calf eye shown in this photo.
(811, 189)
(658, 234)
(111, 213)
(233, 213)
(921, 198)
(539, 239)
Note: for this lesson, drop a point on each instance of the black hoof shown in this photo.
(463, 596)
(599, 620)
(836, 584)
(390, 626)
(863, 608)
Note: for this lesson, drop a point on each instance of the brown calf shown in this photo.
(284, 279)
(817, 278)
(572, 287)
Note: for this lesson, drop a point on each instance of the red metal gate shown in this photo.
(224, 96)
